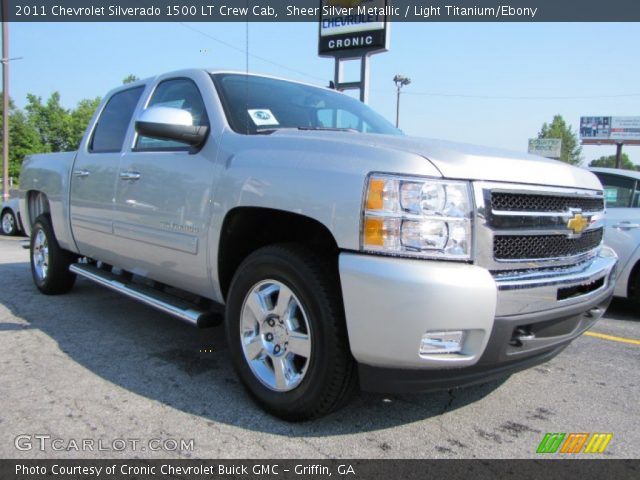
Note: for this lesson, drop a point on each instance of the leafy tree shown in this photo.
(23, 138)
(571, 150)
(609, 161)
(45, 127)
(80, 118)
(52, 121)
(129, 79)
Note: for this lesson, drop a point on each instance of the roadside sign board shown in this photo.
(352, 27)
(607, 130)
(546, 147)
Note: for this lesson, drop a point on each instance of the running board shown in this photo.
(182, 309)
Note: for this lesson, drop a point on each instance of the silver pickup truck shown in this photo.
(339, 251)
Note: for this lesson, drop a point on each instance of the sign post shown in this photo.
(352, 30)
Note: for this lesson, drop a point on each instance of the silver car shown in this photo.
(622, 231)
(10, 221)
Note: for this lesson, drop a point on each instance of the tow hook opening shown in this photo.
(520, 335)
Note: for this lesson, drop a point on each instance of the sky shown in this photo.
(490, 84)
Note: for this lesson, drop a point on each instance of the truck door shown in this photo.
(93, 179)
(163, 195)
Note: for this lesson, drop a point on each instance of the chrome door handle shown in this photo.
(626, 225)
(129, 176)
(81, 173)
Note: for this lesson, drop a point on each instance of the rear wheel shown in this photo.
(8, 222)
(50, 263)
(287, 335)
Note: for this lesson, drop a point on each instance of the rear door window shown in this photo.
(114, 120)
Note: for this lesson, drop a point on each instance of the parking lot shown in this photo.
(94, 366)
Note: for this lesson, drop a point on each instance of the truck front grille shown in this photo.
(520, 202)
(524, 247)
(536, 227)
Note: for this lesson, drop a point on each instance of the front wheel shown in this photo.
(287, 335)
(49, 263)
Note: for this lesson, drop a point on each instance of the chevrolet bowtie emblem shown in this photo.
(577, 223)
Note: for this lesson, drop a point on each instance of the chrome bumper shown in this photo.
(541, 290)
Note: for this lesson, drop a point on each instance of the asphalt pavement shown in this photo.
(92, 374)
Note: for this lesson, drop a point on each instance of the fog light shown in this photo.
(441, 342)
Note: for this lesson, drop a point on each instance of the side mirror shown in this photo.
(168, 123)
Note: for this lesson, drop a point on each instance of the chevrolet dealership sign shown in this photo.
(353, 27)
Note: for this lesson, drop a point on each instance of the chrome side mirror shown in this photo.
(168, 123)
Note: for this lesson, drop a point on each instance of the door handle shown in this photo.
(132, 176)
(81, 173)
(626, 225)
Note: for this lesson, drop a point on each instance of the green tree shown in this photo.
(52, 121)
(609, 161)
(80, 118)
(23, 138)
(571, 150)
(129, 79)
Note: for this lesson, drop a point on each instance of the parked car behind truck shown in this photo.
(622, 231)
(10, 220)
(341, 251)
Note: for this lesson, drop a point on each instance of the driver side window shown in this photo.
(179, 93)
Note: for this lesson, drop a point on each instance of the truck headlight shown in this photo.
(417, 217)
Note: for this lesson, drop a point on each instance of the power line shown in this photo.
(524, 97)
(246, 52)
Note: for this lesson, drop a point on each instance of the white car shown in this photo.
(10, 221)
(622, 231)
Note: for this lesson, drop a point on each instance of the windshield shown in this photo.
(256, 105)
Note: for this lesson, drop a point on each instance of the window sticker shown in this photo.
(263, 116)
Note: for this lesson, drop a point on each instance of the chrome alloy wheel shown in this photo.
(275, 335)
(8, 223)
(41, 255)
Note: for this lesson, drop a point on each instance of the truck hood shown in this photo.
(474, 162)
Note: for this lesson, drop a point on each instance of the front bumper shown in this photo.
(510, 322)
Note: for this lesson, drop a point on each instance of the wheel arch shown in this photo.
(245, 229)
(37, 204)
(633, 282)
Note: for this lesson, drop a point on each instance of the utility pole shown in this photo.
(5, 102)
(400, 81)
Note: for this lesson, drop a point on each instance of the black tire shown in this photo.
(330, 375)
(8, 223)
(56, 277)
(633, 290)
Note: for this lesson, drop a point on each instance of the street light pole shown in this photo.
(5, 102)
(400, 81)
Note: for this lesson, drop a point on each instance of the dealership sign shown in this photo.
(353, 27)
(610, 129)
(546, 147)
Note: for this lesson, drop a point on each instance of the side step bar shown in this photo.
(182, 309)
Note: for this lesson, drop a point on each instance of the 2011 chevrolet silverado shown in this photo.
(341, 251)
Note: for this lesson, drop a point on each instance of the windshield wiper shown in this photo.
(269, 131)
(330, 129)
